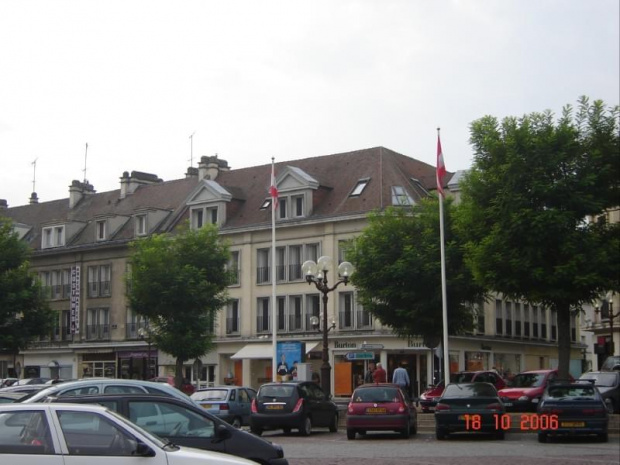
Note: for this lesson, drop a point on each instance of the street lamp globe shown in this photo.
(309, 269)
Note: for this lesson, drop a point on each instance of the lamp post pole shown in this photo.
(317, 273)
(610, 303)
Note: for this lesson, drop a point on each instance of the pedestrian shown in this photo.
(368, 377)
(379, 375)
(401, 377)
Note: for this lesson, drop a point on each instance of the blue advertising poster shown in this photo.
(289, 355)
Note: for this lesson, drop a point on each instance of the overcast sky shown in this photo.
(286, 79)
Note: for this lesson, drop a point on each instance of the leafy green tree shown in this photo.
(179, 284)
(24, 312)
(397, 261)
(531, 205)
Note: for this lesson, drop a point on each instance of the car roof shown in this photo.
(371, 385)
(47, 406)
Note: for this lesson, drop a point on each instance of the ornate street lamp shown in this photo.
(317, 273)
(144, 333)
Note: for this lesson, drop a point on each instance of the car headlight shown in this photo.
(524, 398)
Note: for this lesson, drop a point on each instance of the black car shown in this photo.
(292, 405)
(572, 408)
(185, 424)
(469, 408)
(608, 384)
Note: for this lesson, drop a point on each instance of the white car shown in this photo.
(75, 434)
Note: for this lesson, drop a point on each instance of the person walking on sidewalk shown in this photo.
(401, 377)
(379, 375)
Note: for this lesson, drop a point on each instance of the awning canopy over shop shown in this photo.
(254, 351)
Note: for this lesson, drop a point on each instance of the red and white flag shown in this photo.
(441, 167)
(273, 190)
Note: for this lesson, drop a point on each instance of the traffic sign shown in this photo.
(372, 346)
(361, 356)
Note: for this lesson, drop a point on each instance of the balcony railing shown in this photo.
(262, 274)
(294, 272)
(232, 325)
(345, 320)
(98, 332)
(364, 320)
(262, 324)
(132, 330)
(295, 322)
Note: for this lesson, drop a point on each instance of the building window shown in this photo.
(141, 229)
(526, 320)
(282, 204)
(297, 202)
(535, 321)
(99, 280)
(281, 316)
(262, 315)
(313, 308)
(554, 325)
(294, 256)
(517, 319)
(98, 323)
(280, 264)
(197, 218)
(543, 323)
(133, 325)
(232, 317)
(295, 313)
(66, 283)
(233, 267)
(262, 270)
(100, 227)
(65, 325)
(56, 287)
(312, 252)
(364, 318)
(400, 197)
(573, 328)
(345, 314)
(359, 187)
(499, 321)
(53, 236)
(212, 215)
(508, 318)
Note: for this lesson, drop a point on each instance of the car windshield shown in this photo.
(561, 392)
(462, 377)
(276, 390)
(602, 379)
(528, 380)
(376, 394)
(211, 394)
(470, 390)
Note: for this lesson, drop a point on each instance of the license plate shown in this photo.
(572, 424)
(207, 405)
(376, 410)
(274, 407)
(507, 404)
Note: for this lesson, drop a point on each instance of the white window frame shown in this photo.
(52, 236)
(101, 230)
(141, 225)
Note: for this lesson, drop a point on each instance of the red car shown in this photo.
(526, 389)
(187, 387)
(428, 399)
(381, 407)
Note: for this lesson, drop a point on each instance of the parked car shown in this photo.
(187, 425)
(428, 399)
(187, 387)
(25, 381)
(526, 389)
(468, 408)
(611, 363)
(608, 384)
(6, 382)
(25, 389)
(381, 407)
(53, 434)
(9, 397)
(105, 386)
(577, 409)
(231, 403)
(292, 405)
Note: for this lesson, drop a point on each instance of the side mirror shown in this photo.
(223, 432)
(142, 450)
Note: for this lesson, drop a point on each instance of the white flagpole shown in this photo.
(274, 319)
(444, 299)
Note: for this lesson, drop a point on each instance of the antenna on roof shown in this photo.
(85, 156)
(191, 149)
(34, 174)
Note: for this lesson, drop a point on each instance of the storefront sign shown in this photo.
(345, 345)
(361, 356)
(372, 346)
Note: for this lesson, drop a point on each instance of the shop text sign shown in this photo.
(361, 356)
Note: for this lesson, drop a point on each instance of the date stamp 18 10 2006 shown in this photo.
(503, 422)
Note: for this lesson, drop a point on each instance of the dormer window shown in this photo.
(141, 229)
(359, 187)
(212, 215)
(53, 236)
(282, 204)
(204, 215)
(100, 228)
(297, 205)
(197, 218)
(400, 197)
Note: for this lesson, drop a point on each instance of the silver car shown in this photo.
(231, 403)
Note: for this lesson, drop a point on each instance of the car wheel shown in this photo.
(256, 430)
(440, 434)
(306, 429)
(542, 437)
(406, 431)
(333, 427)
(603, 437)
(236, 422)
(350, 434)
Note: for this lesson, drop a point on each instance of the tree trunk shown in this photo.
(564, 342)
(178, 373)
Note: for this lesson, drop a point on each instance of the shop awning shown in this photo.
(254, 351)
(310, 346)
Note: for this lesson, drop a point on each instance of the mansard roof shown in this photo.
(331, 177)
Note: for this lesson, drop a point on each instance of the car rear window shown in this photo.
(559, 392)
(528, 380)
(211, 394)
(462, 378)
(277, 391)
(376, 395)
(470, 390)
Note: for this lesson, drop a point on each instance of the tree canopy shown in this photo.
(397, 261)
(179, 284)
(533, 209)
(24, 312)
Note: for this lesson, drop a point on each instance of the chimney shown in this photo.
(210, 167)
(34, 198)
(77, 190)
(4, 205)
(191, 172)
(129, 183)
